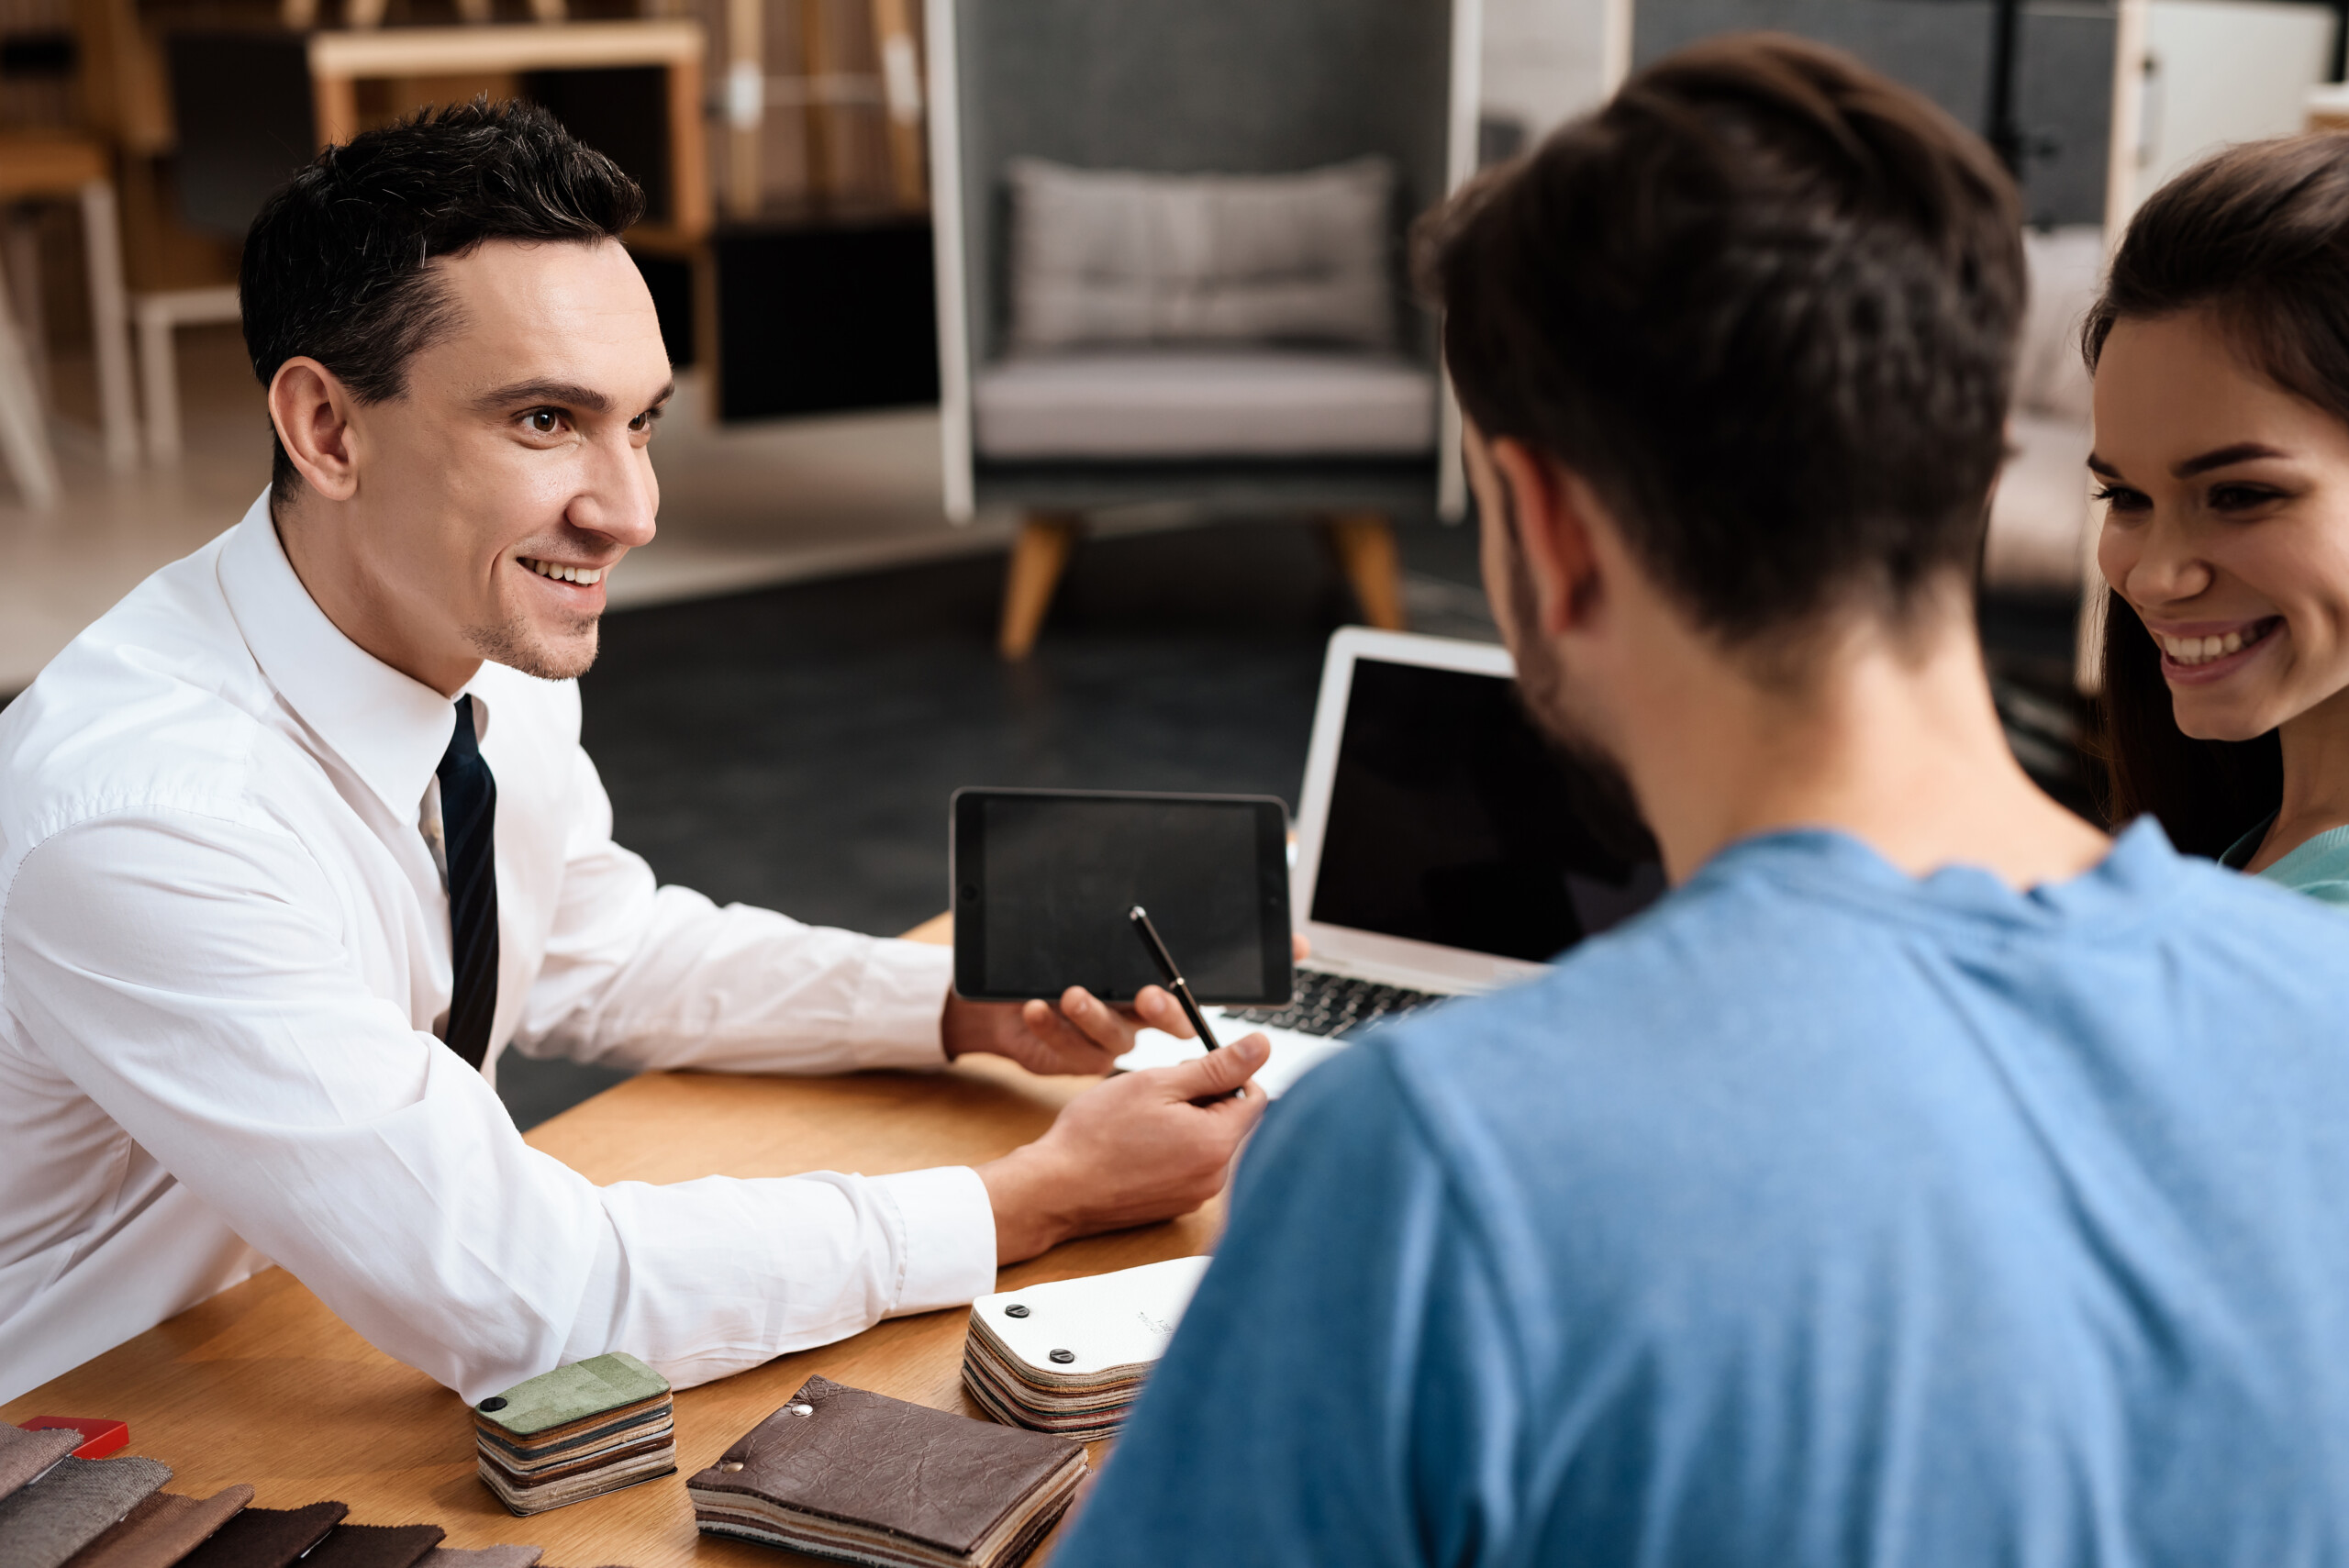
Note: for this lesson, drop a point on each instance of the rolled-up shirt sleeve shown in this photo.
(199, 980)
(646, 976)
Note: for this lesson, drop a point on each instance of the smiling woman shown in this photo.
(2221, 356)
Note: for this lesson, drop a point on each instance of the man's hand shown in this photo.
(1084, 1034)
(1143, 1146)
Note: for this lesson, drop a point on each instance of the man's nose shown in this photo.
(621, 499)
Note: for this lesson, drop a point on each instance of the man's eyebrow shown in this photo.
(2242, 451)
(561, 393)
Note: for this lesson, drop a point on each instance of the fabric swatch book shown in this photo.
(47, 1520)
(860, 1477)
(576, 1432)
(163, 1529)
(267, 1538)
(1071, 1357)
(26, 1457)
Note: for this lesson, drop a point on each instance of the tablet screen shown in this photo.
(1050, 878)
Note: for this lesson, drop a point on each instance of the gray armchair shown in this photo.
(1035, 102)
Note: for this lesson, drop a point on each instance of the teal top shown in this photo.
(2318, 868)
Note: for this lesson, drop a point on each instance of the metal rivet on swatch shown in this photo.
(801, 1409)
(1063, 1357)
(731, 1466)
(493, 1403)
(1015, 1310)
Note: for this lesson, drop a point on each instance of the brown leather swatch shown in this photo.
(23, 1455)
(865, 1459)
(163, 1529)
(375, 1546)
(266, 1538)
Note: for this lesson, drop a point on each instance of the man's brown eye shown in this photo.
(544, 421)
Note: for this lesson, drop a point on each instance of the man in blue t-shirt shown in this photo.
(1928, 1179)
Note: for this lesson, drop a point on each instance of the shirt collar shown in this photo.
(391, 730)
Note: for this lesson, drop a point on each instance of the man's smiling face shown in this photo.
(496, 493)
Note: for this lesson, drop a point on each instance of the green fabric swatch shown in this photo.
(573, 1393)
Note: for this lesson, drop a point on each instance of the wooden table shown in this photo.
(262, 1384)
(339, 60)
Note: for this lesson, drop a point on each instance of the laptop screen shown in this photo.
(1452, 822)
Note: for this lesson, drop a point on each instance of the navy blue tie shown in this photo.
(469, 833)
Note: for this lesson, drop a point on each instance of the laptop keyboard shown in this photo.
(1334, 1004)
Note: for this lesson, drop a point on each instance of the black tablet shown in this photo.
(1043, 879)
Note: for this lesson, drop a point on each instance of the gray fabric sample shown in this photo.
(43, 1524)
(1201, 403)
(1118, 257)
(23, 1455)
(482, 1557)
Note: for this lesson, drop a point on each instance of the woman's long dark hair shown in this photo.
(2258, 234)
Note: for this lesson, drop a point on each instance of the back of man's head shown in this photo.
(336, 267)
(1765, 302)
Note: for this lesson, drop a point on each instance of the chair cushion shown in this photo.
(1104, 256)
(2067, 270)
(2040, 513)
(1203, 403)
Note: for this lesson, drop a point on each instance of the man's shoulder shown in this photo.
(1786, 995)
(157, 704)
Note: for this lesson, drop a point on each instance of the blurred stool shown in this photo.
(35, 166)
(158, 315)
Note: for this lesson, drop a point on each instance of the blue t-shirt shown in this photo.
(1821, 1215)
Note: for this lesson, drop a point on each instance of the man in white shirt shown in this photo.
(299, 836)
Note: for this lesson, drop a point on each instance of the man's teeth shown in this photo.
(2202, 649)
(580, 575)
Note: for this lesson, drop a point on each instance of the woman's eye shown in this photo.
(2239, 497)
(544, 421)
(2121, 499)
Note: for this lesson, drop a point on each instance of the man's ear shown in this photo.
(1553, 509)
(312, 408)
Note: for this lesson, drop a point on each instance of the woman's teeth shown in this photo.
(2192, 651)
(580, 575)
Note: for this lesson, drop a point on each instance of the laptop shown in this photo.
(1443, 848)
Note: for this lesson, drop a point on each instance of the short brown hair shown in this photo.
(1764, 302)
(2259, 235)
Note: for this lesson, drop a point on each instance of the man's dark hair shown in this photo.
(2258, 235)
(335, 265)
(1766, 303)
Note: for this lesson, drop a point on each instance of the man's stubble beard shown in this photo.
(1599, 788)
(513, 644)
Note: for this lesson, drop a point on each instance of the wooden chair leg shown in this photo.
(1364, 542)
(24, 428)
(110, 325)
(1037, 560)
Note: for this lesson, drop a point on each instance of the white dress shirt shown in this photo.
(224, 950)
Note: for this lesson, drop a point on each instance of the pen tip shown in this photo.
(1137, 913)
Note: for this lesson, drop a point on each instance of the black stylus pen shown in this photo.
(1170, 975)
